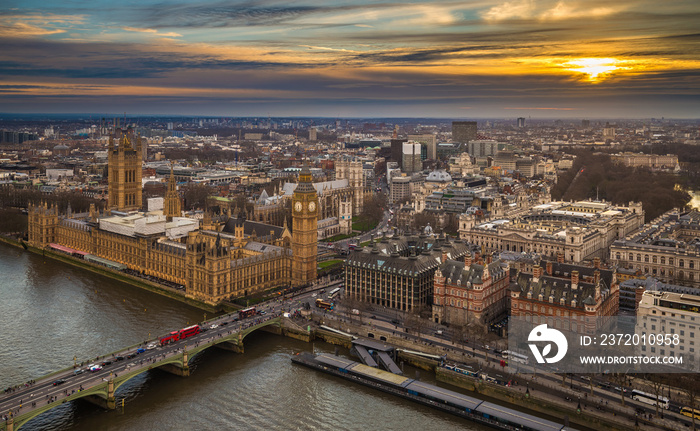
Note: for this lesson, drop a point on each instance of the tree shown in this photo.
(620, 379)
(196, 195)
(425, 218)
(687, 382)
(657, 385)
(372, 210)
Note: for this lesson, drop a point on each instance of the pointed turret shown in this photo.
(171, 207)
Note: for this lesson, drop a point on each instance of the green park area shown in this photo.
(363, 225)
(329, 263)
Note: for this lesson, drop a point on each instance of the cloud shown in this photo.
(36, 24)
(541, 108)
(521, 9)
(324, 48)
(151, 31)
(546, 11)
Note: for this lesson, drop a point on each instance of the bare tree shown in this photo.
(688, 383)
(620, 379)
(657, 386)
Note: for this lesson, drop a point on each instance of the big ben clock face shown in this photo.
(312, 206)
(297, 206)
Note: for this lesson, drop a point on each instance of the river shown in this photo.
(52, 313)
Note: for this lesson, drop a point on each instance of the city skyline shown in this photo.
(539, 59)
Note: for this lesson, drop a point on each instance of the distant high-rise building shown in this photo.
(397, 150)
(312, 134)
(430, 142)
(463, 131)
(585, 124)
(609, 131)
(411, 157)
(482, 148)
(521, 122)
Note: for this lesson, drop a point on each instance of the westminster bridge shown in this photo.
(20, 404)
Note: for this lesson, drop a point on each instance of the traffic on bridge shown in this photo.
(97, 381)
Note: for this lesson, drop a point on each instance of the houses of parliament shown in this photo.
(215, 260)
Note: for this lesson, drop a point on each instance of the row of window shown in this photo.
(655, 259)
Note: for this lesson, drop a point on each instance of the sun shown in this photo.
(595, 68)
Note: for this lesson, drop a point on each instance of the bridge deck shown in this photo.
(47, 393)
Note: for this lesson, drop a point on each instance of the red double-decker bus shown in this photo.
(189, 331)
(246, 313)
(170, 338)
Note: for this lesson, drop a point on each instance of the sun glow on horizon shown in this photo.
(595, 68)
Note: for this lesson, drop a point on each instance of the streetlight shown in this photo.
(578, 408)
(527, 390)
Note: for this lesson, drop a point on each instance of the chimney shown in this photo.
(549, 267)
(468, 259)
(444, 257)
(574, 279)
(536, 273)
(596, 277)
(638, 292)
(596, 262)
(560, 257)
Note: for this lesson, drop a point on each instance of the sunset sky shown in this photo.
(462, 59)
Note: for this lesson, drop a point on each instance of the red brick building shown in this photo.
(565, 296)
(466, 292)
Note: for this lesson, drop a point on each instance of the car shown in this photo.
(95, 367)
(78, 371)
(59, 382)
(105, 363)
(151, 346)
(119, 358)
(214, 326)
(313, 295)
(131, 356)
(263, 312)
(140, 350)
(224, 323)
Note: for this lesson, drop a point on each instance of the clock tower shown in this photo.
(304, 229)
